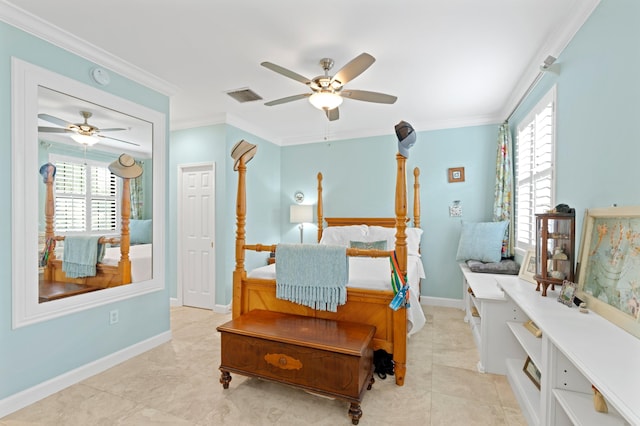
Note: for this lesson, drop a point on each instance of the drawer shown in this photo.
(332, 373)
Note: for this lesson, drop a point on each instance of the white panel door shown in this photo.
(197, 219)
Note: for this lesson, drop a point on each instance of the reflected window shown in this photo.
(86, 196)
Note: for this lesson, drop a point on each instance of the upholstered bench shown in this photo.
(327, 357)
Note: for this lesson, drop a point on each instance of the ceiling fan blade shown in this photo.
(333, 114)
(287, 99)
(354, 68)
(116, 139)
(112, 129)
(54, 120)
(54, 130)
(286, 72)
(364, 95)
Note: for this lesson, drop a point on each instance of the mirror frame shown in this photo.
(26, 309)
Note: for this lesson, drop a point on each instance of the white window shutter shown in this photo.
(535, 152)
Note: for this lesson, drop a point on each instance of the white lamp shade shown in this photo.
(325, 100)
(85, 139)
(299, 213)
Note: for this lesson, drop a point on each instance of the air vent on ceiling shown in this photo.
(244, 95)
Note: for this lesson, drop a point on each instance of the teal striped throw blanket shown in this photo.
(80, 255)
(312, 275)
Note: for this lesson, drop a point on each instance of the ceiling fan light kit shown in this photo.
(88, 140)
(325, 100)
(327, 91)
(82, 133)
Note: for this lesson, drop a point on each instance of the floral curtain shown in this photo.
(503, 196)
(137, 196)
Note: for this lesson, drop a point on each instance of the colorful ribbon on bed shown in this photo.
(399, 285)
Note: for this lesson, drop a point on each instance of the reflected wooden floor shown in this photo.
(49, 290)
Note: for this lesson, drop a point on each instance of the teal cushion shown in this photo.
(140, 231)
(369, 245)
(481, 241)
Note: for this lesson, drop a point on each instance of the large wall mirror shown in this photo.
(88, 196)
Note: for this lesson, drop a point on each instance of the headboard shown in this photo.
(387, 222)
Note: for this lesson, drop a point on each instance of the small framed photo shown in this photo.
(456, 174)
(528, 267)
(567, 293)
(532, 372)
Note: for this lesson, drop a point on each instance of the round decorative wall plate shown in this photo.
(298, 197)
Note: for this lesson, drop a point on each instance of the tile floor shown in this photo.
(177, 384)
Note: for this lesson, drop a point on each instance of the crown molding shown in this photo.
(554, 46)
(40, 28)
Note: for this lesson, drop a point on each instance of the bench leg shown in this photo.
(225, 378)
(355, 412)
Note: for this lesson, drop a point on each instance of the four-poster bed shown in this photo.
(363, 305)
(110, 273)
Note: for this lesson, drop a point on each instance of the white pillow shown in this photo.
(377, 233)
(413, 241)
(343, 235)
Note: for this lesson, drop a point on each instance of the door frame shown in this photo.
(181, 170)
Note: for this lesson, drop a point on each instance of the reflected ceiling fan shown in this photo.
(327, 92)
(83, 133)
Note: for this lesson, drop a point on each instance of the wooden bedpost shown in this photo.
(49, 212)
(400, 320)
(124, 266)
(416, 198)
(320, 207)
(401, 214)
(241, 215)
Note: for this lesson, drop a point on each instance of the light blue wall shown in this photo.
(33, 354)
(214, 144)
(597, 147)
(359, 180)
(598, 98)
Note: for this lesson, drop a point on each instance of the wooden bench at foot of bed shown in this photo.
(331, 358)
(365, 306)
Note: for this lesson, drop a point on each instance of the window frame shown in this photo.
(88, 196)
(549, 98)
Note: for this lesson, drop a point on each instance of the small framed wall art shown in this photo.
(456, 174)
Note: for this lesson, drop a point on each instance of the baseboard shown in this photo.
(218, 309)
(441, 301)
(42, 390)
(222, 309)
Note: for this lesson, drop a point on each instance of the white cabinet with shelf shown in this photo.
(488, 321)
(575, 352)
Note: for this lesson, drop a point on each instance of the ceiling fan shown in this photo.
(327, 92)
(83, 133)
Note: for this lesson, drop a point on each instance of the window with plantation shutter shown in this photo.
(535, 152)
(86, 195)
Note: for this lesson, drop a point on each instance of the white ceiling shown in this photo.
(451, 63)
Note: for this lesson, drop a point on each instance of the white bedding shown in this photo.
(140, 256)
(375, 273)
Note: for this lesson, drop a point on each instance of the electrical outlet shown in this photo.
(113, 317)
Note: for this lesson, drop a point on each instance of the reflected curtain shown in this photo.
(503, 196)
(137, 196)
